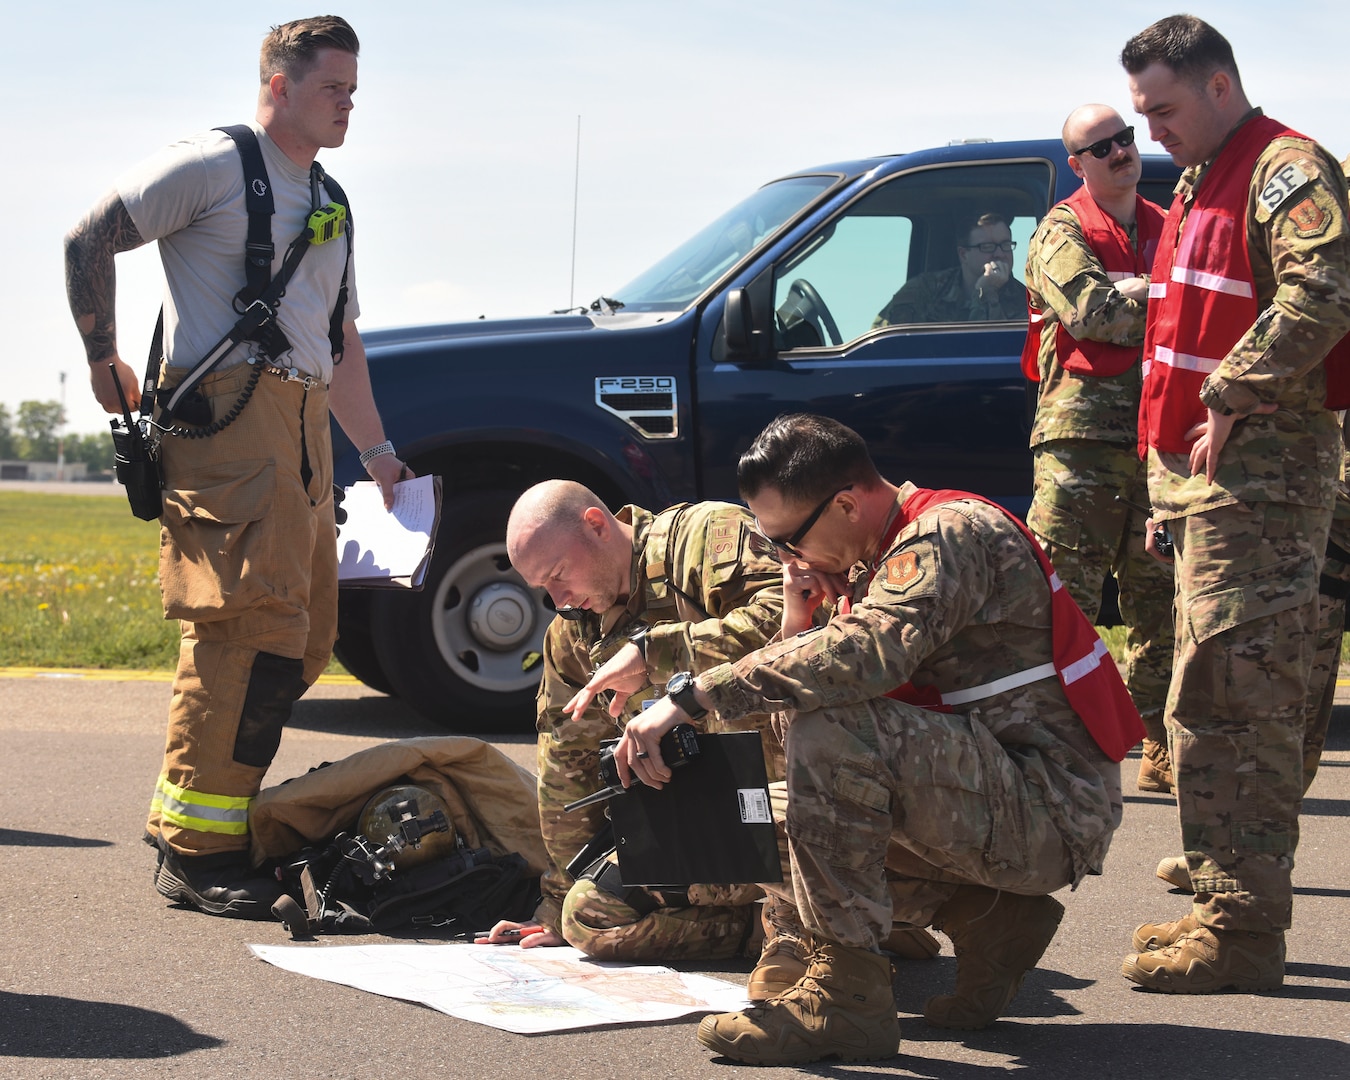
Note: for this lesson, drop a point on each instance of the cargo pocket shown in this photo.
(967, 802)
(218, 544)
(1054, 523)
(1258, 594)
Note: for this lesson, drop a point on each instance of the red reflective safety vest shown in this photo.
(1091, 682)
(1108, 240)
(1203, 296)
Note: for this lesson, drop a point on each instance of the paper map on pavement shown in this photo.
(522, 990)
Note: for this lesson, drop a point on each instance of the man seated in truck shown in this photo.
(980, 288)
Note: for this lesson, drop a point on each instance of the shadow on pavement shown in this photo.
(23, 838)
(1134, 1051)
(383, 718)
(43, 1026)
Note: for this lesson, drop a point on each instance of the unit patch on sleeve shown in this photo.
(903, 571)
(1308, 218)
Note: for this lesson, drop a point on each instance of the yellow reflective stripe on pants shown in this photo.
(202, 811)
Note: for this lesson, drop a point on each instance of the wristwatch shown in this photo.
(680, 689)
(638, 636)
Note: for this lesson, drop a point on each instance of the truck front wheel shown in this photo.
(465, 650)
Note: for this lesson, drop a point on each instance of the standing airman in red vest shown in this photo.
(1087, 294)
(1250, 294)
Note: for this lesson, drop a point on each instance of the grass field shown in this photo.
(79, 585)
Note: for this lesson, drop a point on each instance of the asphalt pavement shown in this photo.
(100, 977)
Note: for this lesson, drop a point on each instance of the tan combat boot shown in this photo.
(1176, 873)
(1206, 960)
(1155, 770)
(1152, 936)
(842, 1007)
(910, 942)
(998, 936)
(783, 957)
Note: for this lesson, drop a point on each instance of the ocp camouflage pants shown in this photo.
(1247, 617)
(716, 924)
(1088, 534)
(891, 808)
(1332, 589)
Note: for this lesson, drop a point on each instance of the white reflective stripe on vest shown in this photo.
(1212, 282)
(1157, 289)
(999, 686)
(1085, 666)
(202, 811)
(1163, 355)
(1120, 275)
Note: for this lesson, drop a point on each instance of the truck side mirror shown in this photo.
(743, 340)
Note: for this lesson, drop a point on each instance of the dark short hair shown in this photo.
(804, 458)
(1192, 48)
(292, 47)
(978, 221)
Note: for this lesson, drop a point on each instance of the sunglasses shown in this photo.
(1102, 147)
(991, 246)
(790, 544)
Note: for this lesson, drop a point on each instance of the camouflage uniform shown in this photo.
(1249, 552)
(939, 296)
(1085, 442)
(1008, 791)
(708, 598)
(1332, 590)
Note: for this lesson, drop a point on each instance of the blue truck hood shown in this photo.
(514, 327)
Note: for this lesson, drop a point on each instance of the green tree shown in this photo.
(38, 423)
(6, 435)
(95, 450)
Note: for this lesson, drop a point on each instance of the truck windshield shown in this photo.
(686, 273)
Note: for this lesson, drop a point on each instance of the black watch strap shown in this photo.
(680, 690)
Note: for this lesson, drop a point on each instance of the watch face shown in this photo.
(678, 682)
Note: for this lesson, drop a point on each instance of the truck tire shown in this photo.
(355, 648)
(465, 650)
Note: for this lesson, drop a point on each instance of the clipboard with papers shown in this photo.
(388, 549)
(712, 823)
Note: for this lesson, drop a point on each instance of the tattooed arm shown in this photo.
(91, 287)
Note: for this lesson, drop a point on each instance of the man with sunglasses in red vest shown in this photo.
(1087, 296)
(1249, 296)
(957, 715)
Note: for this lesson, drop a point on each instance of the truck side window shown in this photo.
(930, 248)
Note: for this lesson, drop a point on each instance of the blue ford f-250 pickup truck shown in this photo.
(652, 393)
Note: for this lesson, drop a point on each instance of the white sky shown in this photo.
(461, 155)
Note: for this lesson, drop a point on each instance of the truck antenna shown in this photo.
(576, 186)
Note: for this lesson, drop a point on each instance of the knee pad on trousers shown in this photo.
(275, 684)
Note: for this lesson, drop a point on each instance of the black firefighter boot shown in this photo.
(221, 884)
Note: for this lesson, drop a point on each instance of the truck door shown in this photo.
(872, 321)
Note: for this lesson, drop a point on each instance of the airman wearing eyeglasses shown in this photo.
(980, 288)
(939, 772)
(1087, 292)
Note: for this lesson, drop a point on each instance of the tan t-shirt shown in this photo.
(190, 197)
